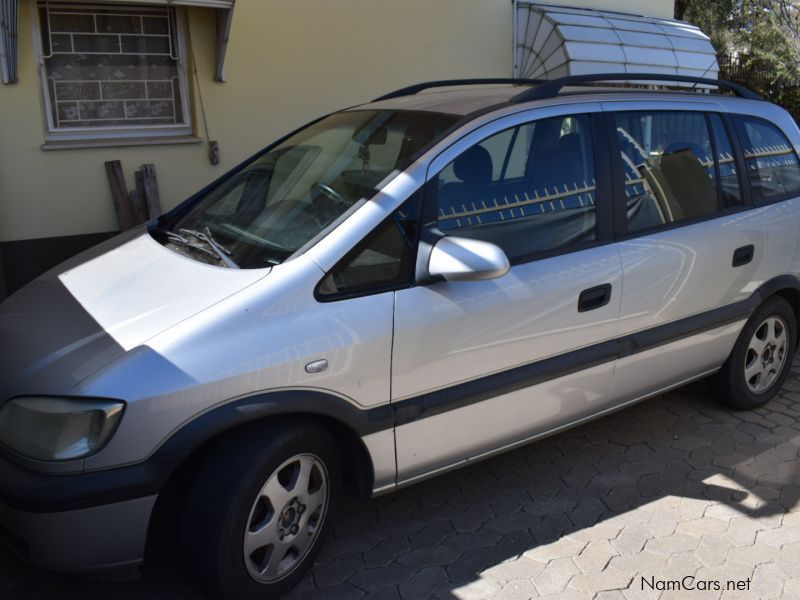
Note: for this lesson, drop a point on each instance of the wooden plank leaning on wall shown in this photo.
(140, 204)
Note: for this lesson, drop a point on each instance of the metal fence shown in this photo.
(762, 78)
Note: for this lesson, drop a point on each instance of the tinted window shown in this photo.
(772, 165)
(669, 167)
(528, 189)
(730, 193)
(382, 261)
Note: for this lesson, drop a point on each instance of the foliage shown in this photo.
(758, 42)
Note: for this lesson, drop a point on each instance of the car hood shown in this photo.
(80, 316)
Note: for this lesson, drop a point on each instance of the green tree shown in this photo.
(717, 18)
(761, 40)
(762, 33)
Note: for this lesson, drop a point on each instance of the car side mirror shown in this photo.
(463, 259)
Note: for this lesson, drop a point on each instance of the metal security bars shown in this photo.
(9, 24)
(536, 203)
(113, 68)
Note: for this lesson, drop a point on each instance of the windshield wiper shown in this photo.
(216, 252)
(220, 251)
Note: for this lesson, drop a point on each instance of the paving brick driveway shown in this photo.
(672, 487)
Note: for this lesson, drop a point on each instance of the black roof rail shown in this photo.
(413, 89)
(550, 88)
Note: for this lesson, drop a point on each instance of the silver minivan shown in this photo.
(387, 293)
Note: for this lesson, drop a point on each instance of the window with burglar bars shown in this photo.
(113, 70)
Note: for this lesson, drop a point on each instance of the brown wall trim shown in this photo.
(24, 260)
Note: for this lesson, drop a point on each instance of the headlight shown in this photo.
(58, 428)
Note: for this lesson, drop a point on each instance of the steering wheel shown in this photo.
(331, 193)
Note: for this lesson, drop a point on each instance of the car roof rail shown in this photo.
(551, 87)
(418, 87)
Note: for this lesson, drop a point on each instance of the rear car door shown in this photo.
(692, 244)
(481, 365)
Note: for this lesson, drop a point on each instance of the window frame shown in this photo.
(378, 288)
(119, 133)
(423, 244)
(603, 188)
(618, 170)
(738, 159)
(737, 121)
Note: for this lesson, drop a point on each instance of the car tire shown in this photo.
(762, 357)
(258, 508)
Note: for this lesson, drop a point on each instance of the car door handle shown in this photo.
(594, 297)
(743, 255)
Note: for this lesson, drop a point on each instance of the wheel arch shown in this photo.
(786, 287)
(195, 439)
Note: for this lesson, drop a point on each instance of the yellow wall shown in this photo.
(288, 62)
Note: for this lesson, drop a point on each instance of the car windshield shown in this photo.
(274, 205)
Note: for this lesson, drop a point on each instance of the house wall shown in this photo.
(288, 61)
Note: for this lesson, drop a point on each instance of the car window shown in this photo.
(668, 164)
(382, 261)
(730, 191)
(529, 189)
(499, 147)
(263, 213)
(772, 165)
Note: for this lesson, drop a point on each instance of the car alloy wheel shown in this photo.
(286, 518)
(766, 354)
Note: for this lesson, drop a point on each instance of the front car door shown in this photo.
(478, 366)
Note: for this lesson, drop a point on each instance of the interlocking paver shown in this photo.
(609, 579)
(632, 538)
(563, 548)
(517, 589)
(423, 583)
(713, 549)
(386, 552)
(645, 563)
(515, 569)
(700, 527)
(514, 522)
(787, 559)
(779, 537)
(479, 589)
(556, 576)
(769, 580)
(672, 487)
(750, 556)
(595, 556)
(436, 556)
(370, 579)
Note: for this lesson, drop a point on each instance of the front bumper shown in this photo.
(80, 522)
(87, 539)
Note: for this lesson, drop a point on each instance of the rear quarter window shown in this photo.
(773, 168)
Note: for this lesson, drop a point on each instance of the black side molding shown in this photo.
(273, 404)
(511, 380)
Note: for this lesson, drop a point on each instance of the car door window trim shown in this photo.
(621, 232)
(604, 233)
(737, 120)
